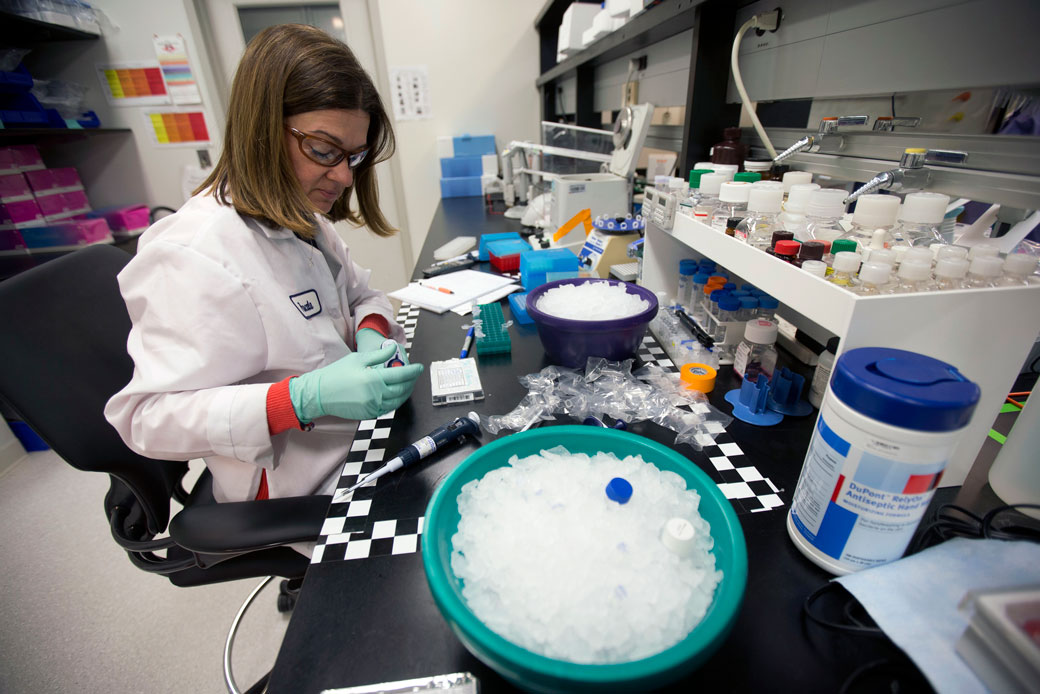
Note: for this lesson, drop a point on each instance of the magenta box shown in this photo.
(62, 205)
(17, 158)
(125, 220)
(21, 213)
(14, 187)
(50, 181)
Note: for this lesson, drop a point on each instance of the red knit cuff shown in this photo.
(376, 322)
(280, 413)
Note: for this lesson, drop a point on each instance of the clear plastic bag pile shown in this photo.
(610, 388)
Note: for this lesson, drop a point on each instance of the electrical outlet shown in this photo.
(631, 93)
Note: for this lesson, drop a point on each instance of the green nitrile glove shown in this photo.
(351, 389)
(369, 340)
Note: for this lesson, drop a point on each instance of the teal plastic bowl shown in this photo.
(539, 673)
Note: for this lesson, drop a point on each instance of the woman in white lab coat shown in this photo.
(257, 342)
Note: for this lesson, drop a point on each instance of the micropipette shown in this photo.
(436, 439)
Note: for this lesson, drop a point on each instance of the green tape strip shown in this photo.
(1008, 407)
(997, 436)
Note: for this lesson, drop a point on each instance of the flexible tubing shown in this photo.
(743, 92)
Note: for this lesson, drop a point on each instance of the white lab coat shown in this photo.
(222, 307)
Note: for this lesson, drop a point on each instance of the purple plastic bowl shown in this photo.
(571, 342)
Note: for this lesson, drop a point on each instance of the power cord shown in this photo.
(767, 21)
(956, 521)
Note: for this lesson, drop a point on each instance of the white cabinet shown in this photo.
(986, 333)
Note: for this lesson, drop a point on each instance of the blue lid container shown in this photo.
(518, 305)
(904, 389)
(538, 266)
(766, 301)
(748, 302)
(485, 239)
(728, 302)
(687, 267)
(701, 278)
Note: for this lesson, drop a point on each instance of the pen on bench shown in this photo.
(467, 343)
(439, 289)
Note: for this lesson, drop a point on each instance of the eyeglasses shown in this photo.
(321, 151)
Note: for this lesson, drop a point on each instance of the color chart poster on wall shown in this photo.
(176, 69)
(133, 84)
(178, 128)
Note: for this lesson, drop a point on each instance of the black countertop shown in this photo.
(373, 620)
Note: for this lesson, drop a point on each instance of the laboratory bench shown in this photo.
(372, 620)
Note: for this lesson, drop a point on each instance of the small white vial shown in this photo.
(794, 178)
(950, 273)
(846, 263)
(872, 278)
(885, 255)
(983, 249)
(728, 170)
(942, 252)
(878, 242)
(815, 267)
(1017, 269)
(984, 271)
(918, 255)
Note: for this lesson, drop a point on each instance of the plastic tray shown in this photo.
(495, 339)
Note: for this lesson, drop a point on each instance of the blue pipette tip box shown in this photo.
(518, 305)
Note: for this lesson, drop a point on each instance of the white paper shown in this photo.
(410, 87)
(176, 69)
(465, 285)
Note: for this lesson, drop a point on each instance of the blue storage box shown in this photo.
(485, 239)
(538, 266)
(460, 187)
(470, 145)
(461, 166)
(518, 304)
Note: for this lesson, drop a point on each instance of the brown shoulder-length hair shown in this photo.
(286, 70)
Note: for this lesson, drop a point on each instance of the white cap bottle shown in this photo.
(1017, 269)
(921, 218)
(913, 276)
(950, 273)
(942, 252)
(846, 263)
(920, 255)
(984, 271)
(733, 197)
(710, 186)
(983, 249)
(729, 169)
(817, 268)
(823, 212)
(873, 212)
(763, 206)
(873, 277)
(792, 219)
(793, 178)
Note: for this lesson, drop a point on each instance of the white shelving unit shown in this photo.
(986, 333)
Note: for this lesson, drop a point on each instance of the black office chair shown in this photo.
(63, 350)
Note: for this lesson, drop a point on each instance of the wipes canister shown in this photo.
(888, 424)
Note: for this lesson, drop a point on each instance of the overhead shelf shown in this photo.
(16, 30)
(654, 24)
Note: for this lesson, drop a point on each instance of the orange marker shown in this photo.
(439, 289)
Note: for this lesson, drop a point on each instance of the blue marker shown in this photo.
(466, 344)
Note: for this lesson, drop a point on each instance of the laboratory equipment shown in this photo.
(826, 132)
(504, 254)
(731, 150)
(749, 402)
(984, 271)
(530, 671)
(950, 273)
(607, 243)
(873, 278)
(1017, 269)
(455, 381)
(822, 373)
(911, 173)
(807, 251)
(711, 184)
(846, 264)
(874, 213)
(468, 341)
(538, 266)
(791, 179)
(823, 213)
(425, 447)
(763, 206)
(491, 330)
(485, 239)
(699, 377)
(455, 248)
(912, 276)
(889, 422)
(756, 354)
(693, 199)
(785, 390)
(797, 200)
(518, 307)
(451, 265)
(1014, 475)
(786, 251)
(817, 268)
(570, 342)
(397, 359)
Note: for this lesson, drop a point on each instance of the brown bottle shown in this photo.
(731, 150)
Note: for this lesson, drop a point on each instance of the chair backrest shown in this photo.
(63, 333)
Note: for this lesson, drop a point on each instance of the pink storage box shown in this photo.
(130, 220)
(50, 181)
(21, 214)
(17, 158)
(60, 206)
(74, 233)
(14, 187)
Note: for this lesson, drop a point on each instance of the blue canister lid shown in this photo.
(766, 301)
(748, 287)
(904, 389)
(707, 263)
(728, 302)
(619, 490)
(748, 302)
(701, 278)
(729, 285)
(717, 294)
(687, 267)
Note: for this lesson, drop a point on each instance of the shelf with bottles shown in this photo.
(986, 333)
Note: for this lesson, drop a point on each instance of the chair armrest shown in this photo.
(245, 526)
